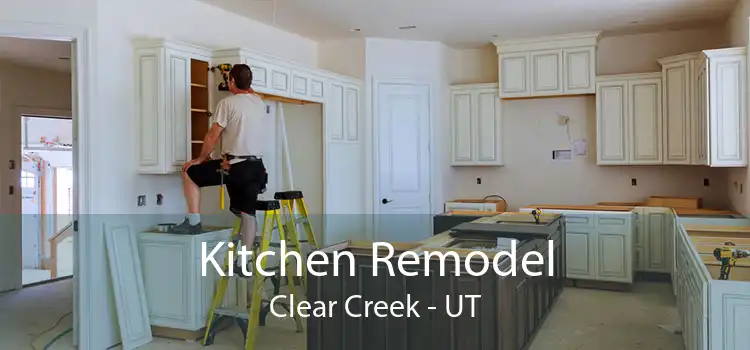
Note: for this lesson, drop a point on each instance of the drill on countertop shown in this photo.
(728, 257)
(536, 213)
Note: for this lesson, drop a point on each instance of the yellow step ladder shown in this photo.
(250, 320)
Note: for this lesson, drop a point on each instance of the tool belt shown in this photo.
(230, 157)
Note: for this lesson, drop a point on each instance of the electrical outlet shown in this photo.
(633, 182)
(563, 120)
(706, 182)
(159, 198)
(479, 181)
(142, 200)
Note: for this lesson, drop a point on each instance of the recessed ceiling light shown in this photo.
(354, 30)
(407, 27)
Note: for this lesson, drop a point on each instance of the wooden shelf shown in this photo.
(199, 105)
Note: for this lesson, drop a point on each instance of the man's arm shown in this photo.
(210, 140)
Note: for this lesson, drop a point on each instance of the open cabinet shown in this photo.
(176, 92)
(199, 105)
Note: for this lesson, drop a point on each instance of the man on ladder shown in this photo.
(238, 124)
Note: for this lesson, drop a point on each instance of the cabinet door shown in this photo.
(579, 255)
(301, 82)
(149, 106)
(727, 98)
(700, 116)
(487, 127)
(612, 122)
(612, 263)
(514, 74)
(579, 70)
(645, 121)
(546, 72)
(335, 111)
(178, 109)
(461, 127)
(677, 113)
(352, 112)
(168, 280)
(656, 243)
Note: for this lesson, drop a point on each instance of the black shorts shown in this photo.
(245, 181)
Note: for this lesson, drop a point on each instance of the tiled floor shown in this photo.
(582, 320)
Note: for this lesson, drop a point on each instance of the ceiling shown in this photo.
(476, 21)
(36, 53)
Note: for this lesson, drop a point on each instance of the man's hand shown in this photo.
(191, 163)
(225, 164)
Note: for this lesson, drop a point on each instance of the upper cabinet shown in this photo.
(476, 125)
(705, 108)
(171, 95)
(548, 66)
(629, 119)
(176, 89)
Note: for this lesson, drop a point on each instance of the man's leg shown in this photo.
(197, 176)
(193, 197)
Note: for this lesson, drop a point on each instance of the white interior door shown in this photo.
(402, 115)
(31, 222)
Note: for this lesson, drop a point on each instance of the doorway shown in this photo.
(46, 198)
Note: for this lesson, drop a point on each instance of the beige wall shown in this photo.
(737, 30)
(532, 133)
(345, 57)
(304, 129)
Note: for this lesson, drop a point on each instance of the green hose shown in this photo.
(57, 337)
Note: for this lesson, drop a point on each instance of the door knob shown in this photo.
(386, 201)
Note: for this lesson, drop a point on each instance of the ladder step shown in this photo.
(233, 313)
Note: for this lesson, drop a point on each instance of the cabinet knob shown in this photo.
(386, 200)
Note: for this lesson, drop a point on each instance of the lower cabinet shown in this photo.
(653, 242)
(178, 293)
(599, 245)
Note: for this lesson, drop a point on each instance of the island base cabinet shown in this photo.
(505, 316)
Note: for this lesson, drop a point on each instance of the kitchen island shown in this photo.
(679, 242)
(507, 314)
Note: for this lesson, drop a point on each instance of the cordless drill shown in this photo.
(224, 68)
(536, 213)
(728, 257)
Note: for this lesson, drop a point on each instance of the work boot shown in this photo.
(238, 268)
(186, 229)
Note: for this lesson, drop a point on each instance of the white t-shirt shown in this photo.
(242, 117)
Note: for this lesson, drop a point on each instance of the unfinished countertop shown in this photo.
(615, 207)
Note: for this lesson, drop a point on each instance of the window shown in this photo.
(28, 180)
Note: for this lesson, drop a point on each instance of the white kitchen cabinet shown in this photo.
(629, 119)
(163, 103)
(653, 240)
(476, 125)
(676, 74)
(547, 66)
(705, 108)
(599, 244)
(178, 293)
(727, 107)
